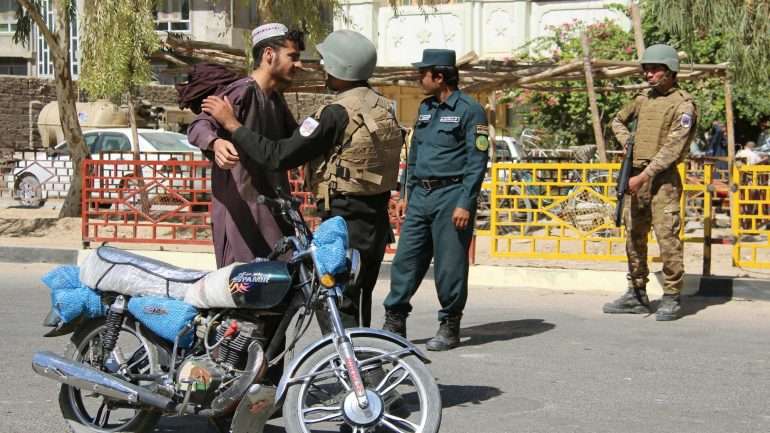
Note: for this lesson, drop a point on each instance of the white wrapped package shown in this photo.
(114, 270)
(213, 290)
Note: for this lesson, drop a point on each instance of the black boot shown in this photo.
(669, 308)
(634, 301)
(395, 322)
(448, 335)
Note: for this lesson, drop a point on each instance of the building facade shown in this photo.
(217, 21)
(493, 29)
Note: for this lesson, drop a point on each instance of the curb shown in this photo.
(480, 276)
(38, 255)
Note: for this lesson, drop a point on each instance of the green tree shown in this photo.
(57, 36)
(713, 44)
(743, 26)
(118, 37)
(563, 117)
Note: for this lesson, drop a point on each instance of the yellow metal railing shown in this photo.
(696, 203)
(566, 210)
(484, 211)
(750, 212)
(555, 211)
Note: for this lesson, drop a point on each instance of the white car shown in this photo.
(41, 175)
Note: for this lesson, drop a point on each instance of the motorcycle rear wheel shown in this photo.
(405, 391)
(74, 403)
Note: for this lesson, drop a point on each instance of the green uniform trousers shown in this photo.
(656, 205)
(428, 233)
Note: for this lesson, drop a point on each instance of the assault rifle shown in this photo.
(625, 174)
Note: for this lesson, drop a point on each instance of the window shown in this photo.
(7, 16)
(44, 61)
(168, 141)
(13, 66)
(88, 137)
(113, 142)
(165, 75)
(172, 16)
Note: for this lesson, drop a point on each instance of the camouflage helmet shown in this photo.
(348, 55)
(661, 54)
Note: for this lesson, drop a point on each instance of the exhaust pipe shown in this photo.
(87, 378)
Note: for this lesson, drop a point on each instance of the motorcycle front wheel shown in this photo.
(89, 412)
(403, 396)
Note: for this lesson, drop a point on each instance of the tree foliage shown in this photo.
(744, 27)
(564, 117)
(118, 37)
(57, 36)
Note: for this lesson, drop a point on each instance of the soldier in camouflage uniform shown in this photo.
(665, 119)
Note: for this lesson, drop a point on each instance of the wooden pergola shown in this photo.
(481, 76)
(477, 75)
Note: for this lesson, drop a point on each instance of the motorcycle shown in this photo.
(150, 340)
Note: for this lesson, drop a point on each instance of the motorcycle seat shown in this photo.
(115, 270)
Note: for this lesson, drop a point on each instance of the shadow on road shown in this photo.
(693, 304)
(461, 395)
(193, 424)
(499, 331)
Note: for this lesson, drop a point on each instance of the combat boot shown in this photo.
(448, 335)
(669, 308)
(634, 301)
(395, 322)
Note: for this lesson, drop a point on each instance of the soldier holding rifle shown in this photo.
(665, 119)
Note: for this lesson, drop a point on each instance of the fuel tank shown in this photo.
(256, 285)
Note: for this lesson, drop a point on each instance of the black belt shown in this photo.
(436, 183)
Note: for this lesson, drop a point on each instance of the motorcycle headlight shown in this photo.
(354, 259)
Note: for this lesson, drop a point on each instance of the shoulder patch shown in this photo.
(308, 126)
(686, 121)
(482, 143)
(482, 130)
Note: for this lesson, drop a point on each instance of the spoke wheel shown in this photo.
(86, 411)
(404, 397)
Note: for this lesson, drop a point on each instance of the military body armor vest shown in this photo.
(654, 121)
(366, 161)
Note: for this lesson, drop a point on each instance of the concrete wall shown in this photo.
(22, 98)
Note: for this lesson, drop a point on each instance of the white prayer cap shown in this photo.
(266, 31)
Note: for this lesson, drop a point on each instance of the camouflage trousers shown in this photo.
(656, 205)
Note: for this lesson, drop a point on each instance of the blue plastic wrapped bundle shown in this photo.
(165, 317)
(69, 297)
(331, 242)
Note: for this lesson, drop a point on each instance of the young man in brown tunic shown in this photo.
(242, 228)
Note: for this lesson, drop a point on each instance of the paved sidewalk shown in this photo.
(483, 274)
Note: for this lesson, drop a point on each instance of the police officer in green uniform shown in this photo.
(351, 147)
(446, 165)
(665, 117)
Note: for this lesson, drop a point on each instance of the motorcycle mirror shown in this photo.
(354, 259)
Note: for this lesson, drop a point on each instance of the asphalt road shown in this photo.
(532, 361)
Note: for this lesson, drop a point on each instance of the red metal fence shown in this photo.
(166, 202)
(163, 202)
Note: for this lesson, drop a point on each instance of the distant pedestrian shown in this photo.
(718, 143)
(749, 155)
(763, 141)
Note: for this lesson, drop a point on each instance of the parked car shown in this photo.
(41, 175)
